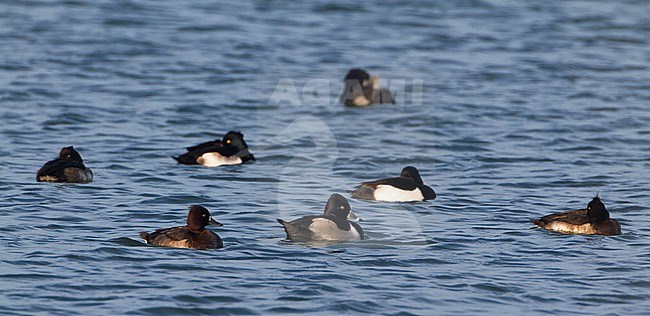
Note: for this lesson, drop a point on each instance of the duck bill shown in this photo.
(214, 223)
(354, 218)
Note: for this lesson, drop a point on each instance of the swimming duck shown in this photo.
(231, 150)
(360, 89)
(333, 225)
(194, 235)
(68, 167)
(408, 187)
(594, 220)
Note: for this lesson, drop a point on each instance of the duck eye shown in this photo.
(365, 83)
(228, 141)
(68, 155)
(342, 207)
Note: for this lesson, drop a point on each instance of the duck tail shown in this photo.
(288, 229)
(363, 192)
(176, 158)
(144, 236)
(536, 222)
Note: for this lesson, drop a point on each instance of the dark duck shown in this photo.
(193, 235)
(360, 89)
(593, 220)
(68, 167)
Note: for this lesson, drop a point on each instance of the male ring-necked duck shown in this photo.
(360, 89)
(333, 225)
(68, 167)
(594, 220)
(194, 235)
(231, 150)
(408, 187)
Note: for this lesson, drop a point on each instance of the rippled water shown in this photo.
(526, 108)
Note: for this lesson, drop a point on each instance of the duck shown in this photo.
(193, 235)
(230, 150)
(408, 187)
(360, 89)
(68, 167)
(335, 225)
(594, 220)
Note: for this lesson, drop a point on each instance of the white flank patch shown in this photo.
(216, 159)
(324, 229)
(567, 228)
(390, 193)
(361, 101)
(177, 244)
(48, 178)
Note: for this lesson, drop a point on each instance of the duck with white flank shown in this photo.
(231, 150)
(408, 187)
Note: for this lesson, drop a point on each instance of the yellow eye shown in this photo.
(342, 207)
(68, 155)
(228, 141)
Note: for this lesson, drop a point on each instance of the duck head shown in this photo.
(70, 153)
(235, 139)
(411, 172)
(596, 211)
(199, 217)
(338, 206)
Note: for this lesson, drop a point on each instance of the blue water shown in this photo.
(526, 108)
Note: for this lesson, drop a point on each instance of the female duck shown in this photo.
(194, 235)
(408, 187)
(333, 225)
(360, 89)
(231, 150)
(68, 167)
(594, 220)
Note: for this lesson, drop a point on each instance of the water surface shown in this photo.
(527, 108)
